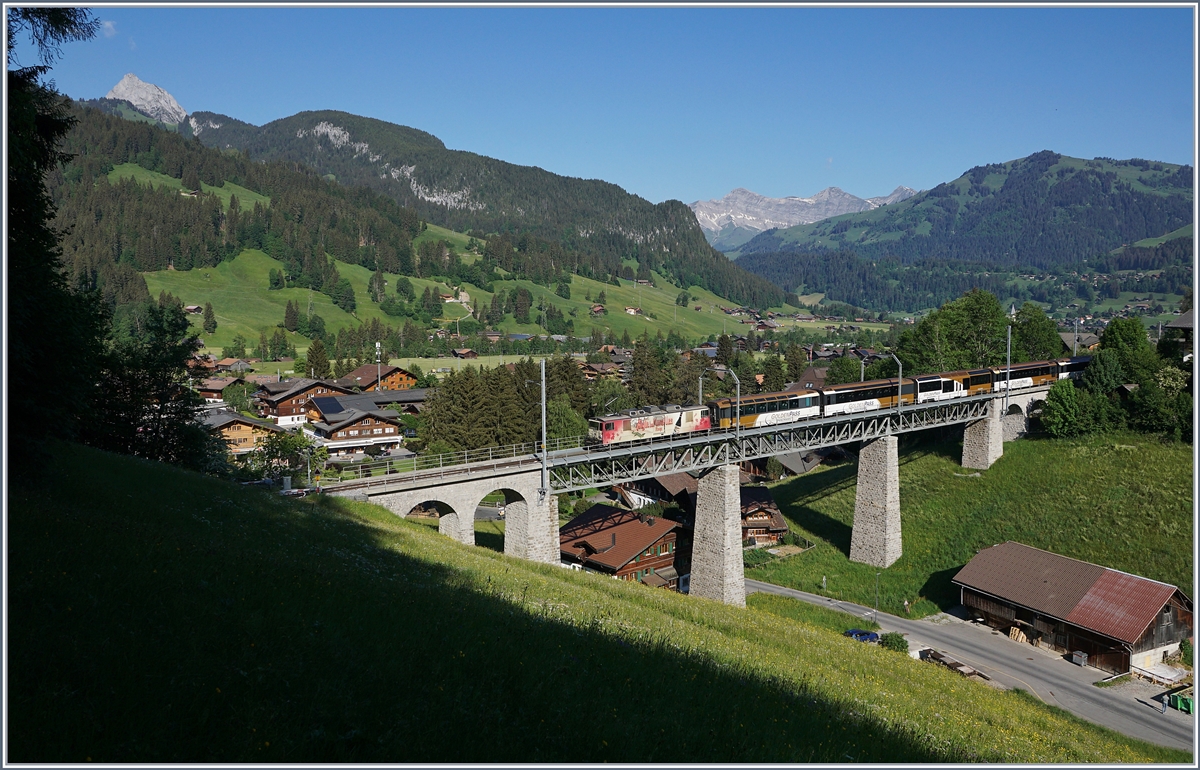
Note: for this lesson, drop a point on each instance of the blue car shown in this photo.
(862, 636)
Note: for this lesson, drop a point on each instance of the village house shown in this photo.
(762, 521)
(1117, 621)
(193, 309)
(286, 402)
(810, 378)
(632, 310)
(622, 544)
(242, 434)
(213, 389)
(464, 353)
(353, 431)
(1087, 342)
(392, 377)
(239, 365)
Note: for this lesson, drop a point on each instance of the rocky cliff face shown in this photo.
(742, 214)
(149, 99)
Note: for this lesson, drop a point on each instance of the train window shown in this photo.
(608, 426)
(794, 403)
(773, 406)
(930, 387)
(704, 413)
(947, 386)
(726, 413)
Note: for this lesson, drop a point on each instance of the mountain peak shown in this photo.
(752, 213)
(148, 98)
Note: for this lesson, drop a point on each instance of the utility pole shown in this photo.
(378, 368)
(876, 597)
(1008, 356)
(544, 491)
(1075, 348)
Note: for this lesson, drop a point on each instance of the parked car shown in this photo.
(862, 636)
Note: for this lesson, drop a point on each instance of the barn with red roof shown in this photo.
(1123, 622)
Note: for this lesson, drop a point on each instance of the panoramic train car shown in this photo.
(865, 396)
(648, 422)
(1072, 368)
(766, 409)
(1026, 375)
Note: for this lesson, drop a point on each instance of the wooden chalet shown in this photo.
(238, 365)
(212, 389)
(464, 353)
(354, 430)
(390, 378)
(623, 545)
(242, 434)
(1122, 622)
(762, 521)
(286, 402)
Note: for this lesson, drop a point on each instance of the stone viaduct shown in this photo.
(531, 529)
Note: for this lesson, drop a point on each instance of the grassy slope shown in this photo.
(246, 198)
(244, 305)
(161, 616)
(1122, 501)
(238, 292)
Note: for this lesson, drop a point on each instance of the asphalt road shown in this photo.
(1128, 708)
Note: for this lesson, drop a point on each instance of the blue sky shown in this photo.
(688, 103)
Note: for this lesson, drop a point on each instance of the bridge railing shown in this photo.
(447, 460)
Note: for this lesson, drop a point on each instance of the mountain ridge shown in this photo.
(149, 99)
(739, 215)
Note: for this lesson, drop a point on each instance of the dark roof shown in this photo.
(1115, 604)
(338, 420)
(364, 376)
(1086, 339)
(277, 391)
(611, 537)
(675, 483)
(1184, 321)
(221, 419)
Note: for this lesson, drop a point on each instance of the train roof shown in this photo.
(645, 411)
(752, 397)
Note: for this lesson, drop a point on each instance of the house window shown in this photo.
(377, 431)
(389, 430)
(341, 433)
(353, 433)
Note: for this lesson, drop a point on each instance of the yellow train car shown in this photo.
(766, 409)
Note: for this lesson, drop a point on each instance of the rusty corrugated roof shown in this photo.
(1121, 605)
(1115, 604)
(1037, 579)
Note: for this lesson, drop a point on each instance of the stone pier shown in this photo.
(717, 568)
(983, 440)
(875, 538)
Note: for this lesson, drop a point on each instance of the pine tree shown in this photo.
(773, 379)
(210, 319)
(264, 348)
(291, 317)
(318, 360)
(797, 362)
(724, 350)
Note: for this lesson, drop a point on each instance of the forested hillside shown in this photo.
(890, 284)
(594, 222)
(1040, 212)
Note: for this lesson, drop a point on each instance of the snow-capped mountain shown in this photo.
(148, 98)
(742, 214)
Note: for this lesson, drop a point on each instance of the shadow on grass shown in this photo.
(939, 590)
(186, 620)
(490, 536)
(796, 497)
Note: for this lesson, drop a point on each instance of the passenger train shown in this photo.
(763, 409)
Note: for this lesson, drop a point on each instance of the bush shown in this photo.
(1061, 412)
(1185, 652)
(894, 641)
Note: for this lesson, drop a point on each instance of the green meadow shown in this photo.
(1123, 501)
(156, 616)
(244, 305)
(246, 198)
